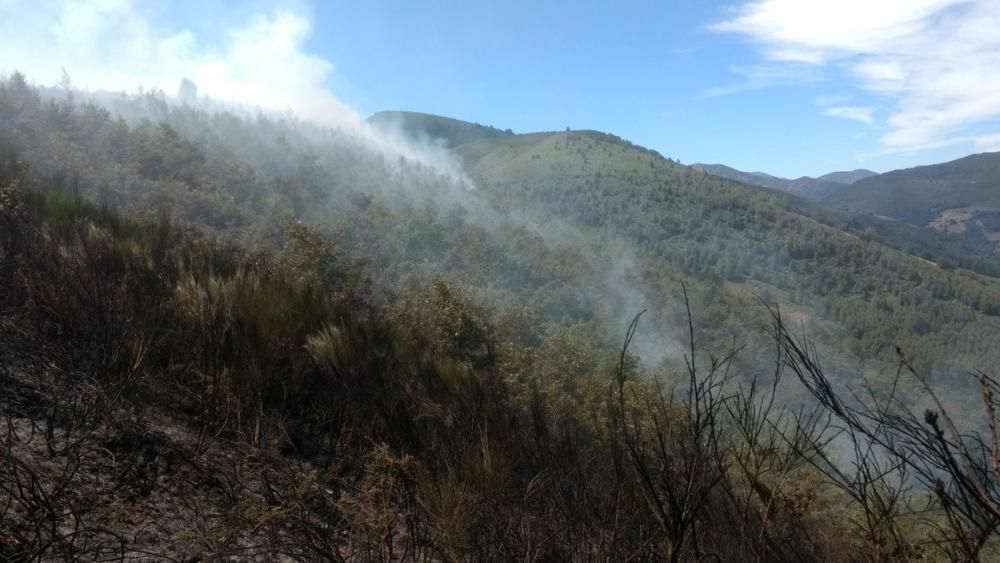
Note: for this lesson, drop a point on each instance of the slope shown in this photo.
(847, 176)
(961, 197)
(422, 126)
(720, 232)
(580, 229)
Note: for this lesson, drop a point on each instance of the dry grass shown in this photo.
(168, 396)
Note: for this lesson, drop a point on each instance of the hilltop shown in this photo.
(425, 126)
(847, 176)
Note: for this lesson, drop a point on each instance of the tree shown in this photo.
(187, 92)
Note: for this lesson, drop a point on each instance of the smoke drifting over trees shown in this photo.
(241, 321)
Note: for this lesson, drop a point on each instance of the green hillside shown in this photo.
(248, 337)
(939, 246)
(583, 228)
(720, 232)
(961, 197)
(847, 176)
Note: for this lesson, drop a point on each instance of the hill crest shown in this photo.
(805, 186)
(425, 126)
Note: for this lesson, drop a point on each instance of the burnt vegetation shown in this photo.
(199, 384)
(167, 395)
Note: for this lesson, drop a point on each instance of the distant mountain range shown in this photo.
(961, 197)
(848, 176)
(806, 186)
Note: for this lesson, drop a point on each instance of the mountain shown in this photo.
(582, 227)
(751, 178)
(679, 220)
(847, 177)
(960, 198)
(974, 253)
(421, 126)
(228, 336)
(808, 187)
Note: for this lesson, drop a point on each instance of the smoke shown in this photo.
(123, 45)
(113, 45)
(261, 61)
(652, 342)
(611, 281)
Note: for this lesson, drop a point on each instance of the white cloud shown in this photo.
(853, 113)
(937, 61)
(987, 143)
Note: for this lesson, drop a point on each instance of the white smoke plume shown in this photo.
(262, 60)
(124, 45)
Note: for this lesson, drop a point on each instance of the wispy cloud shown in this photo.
(764, 76)
(936, 61)
(852, 113)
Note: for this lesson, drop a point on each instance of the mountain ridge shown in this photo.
(960, 197)
(472, 141)
(420, 126)
(848, 176)
(804, 186)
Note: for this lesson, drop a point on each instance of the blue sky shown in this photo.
(643, 72)
(790, 87)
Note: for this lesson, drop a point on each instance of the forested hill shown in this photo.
(722, 232)
(961, 197)
(974, 248)
(426, 127)
(582, 229)
(848, 176)
(241, 336)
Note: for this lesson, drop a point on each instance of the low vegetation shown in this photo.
(227, 337)
(168, 395)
